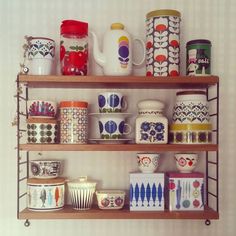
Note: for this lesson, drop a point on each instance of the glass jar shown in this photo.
(74, 47)
(73, 122)
(151, 125)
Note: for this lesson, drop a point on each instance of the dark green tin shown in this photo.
(198, 57)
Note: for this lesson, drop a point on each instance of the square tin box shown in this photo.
(185, 191)
(147, 192)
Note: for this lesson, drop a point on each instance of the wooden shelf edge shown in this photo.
(95, 213)
(118, 147)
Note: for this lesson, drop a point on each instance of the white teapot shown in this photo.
(116, 58)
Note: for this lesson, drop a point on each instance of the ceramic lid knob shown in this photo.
(151, 105)
(117, 26)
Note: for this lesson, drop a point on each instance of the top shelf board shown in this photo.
(128, 82)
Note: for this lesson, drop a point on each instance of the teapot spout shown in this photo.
(97, 54)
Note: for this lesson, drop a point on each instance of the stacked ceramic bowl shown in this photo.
(191, 120)
(42, 125)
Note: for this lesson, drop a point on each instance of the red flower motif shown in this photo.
(182, 161)
(149, 45)
(161, 28)
(161, 58)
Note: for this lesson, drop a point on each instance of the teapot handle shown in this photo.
(144, 52)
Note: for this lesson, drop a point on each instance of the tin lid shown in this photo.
(41, 120)
(117, 26)
(163, 12)
(80, 104)
(149, 104)
(199, 41)
(184, 175)
(42, 38)
(36, 181)
(74, 27)
(191, 92)
(82, 182)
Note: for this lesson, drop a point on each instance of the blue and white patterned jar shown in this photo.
(151, 125)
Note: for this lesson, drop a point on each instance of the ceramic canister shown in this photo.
(42, 130)
(191, 107)
(163, 43)
(151, 125)
(45, 194)
(198, 57)
(73, 122)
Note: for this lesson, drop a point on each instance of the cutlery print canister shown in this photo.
(163, 43)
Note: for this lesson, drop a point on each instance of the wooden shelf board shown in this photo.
(119, 147)
(95, 213)
(59, 81)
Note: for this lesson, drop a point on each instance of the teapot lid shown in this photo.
(117, 26)
(151, 105)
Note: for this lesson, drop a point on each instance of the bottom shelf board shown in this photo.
(95, 213)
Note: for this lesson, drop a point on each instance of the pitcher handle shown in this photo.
(144, 52)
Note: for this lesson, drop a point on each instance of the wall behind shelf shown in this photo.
(213, 20)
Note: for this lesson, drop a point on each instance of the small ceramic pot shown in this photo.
(42, 169)
(41, 109)
(110, 102)
(190, 133)
(186, 162)
(41, 130)
(110, 199)
(45, 194)
(191, 107)
(81, 193)
(148, 162)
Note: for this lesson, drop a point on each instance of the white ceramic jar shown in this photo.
(151, 125)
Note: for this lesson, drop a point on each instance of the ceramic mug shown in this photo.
(110, 102)
(113, 127)
(41, 54)
(186, 162)
(148, 162)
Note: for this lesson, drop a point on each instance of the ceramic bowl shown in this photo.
(148, 162)
(45, 194)
(42, 169)
(81, 193)
(41, 109)
(190, 133)
(110, 199)
(41, 130)
(186, 162)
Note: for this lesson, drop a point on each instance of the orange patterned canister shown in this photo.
(163, 43)
(73, 122)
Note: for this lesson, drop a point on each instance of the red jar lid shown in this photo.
(74, 27)
(80, 104)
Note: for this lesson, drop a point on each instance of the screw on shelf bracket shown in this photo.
(207, 222)
(27, 223)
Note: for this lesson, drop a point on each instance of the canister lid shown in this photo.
(198, 41)
(74, 27)
(41, 120)
(80, 104)
(191, 92)
(82, 181)
(36, 181)
(42, 38)
(117, 26)
(151, 105)
(163, 12)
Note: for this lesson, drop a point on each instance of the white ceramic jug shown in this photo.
(116, 58)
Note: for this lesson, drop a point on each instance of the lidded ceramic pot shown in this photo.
(73, 122)
(163, 43)
(42, 130)
(151, 125)
(81, 193)
(191, 120)
(45, 194)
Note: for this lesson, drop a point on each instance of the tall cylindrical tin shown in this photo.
(73, 122)
(198, 57)
(163, 43)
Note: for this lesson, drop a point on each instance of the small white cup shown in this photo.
(111, 102)
(111, 127)
(41, 53)
(148, 162)
(186, 162)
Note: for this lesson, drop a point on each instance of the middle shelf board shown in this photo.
(119, 147)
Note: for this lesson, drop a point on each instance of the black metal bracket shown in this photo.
(207, 222)
(27, 223)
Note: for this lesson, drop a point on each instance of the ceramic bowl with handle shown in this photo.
(110, 199)
(186, 162)
(41, 108)
(48, 169)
